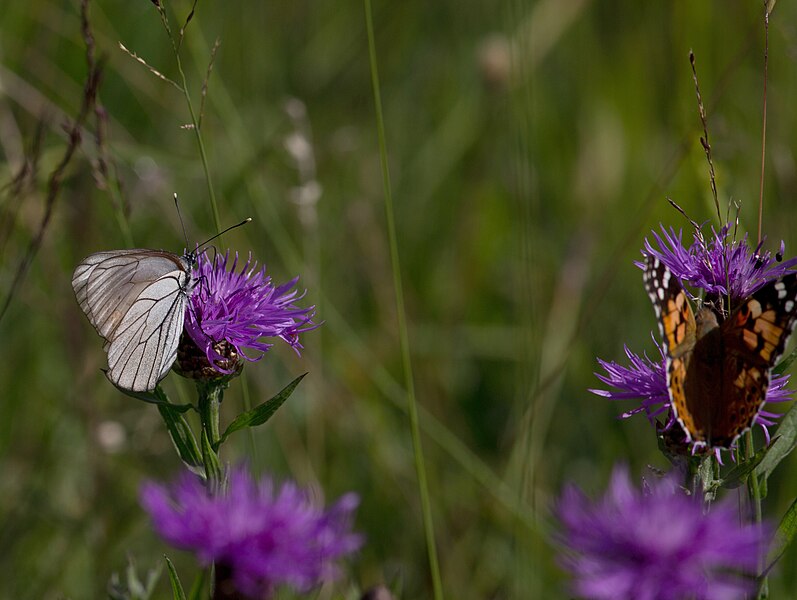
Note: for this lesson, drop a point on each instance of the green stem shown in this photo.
(412, 405)
(210, 396)
(194, 122)
(754, 490)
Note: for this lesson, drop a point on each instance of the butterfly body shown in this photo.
(718, 369)
(136, 300)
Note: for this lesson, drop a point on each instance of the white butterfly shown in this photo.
(136, 300)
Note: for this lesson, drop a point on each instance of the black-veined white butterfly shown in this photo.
(136, 300)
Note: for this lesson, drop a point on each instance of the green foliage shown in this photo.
(531, 146)
(131, 587)
(262, 412)
(174, 579)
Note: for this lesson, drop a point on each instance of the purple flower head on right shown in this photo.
(260, 536)
(656, 543)
(718, 264)
(239, 313)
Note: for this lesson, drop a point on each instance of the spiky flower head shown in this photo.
(722, 268)
(259, 535)
(655, 543)
(718, 263)
(236, 314)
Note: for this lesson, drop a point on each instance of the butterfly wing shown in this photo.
(136, 301)
(754, 336)
(678, 330)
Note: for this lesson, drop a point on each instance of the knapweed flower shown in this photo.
(259, 537)
(656, 544)
(719, 269)
(718, 264)
(233, 312)
(645, 380)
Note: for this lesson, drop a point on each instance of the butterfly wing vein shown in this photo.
(136, 301)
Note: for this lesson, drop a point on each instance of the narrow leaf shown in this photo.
(782, 445)
(785, 363)
(156, 396)
(262, 412)
(784, 535)
(738, 474)
(182, 436)
(211, 460)
(199, 585)
(177, 588)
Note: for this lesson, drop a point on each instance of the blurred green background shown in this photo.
(531, 148)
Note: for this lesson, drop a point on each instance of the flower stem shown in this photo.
(210, 396)
(209, 402)
(194, 121)
(420, 467)
(755, 498)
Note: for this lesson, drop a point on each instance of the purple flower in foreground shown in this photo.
(260, 537)
(655, 544)
(719, 265)
(239, 309)
(646, 380)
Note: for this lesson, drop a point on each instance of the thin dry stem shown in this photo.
(152, 69)
(763, 122)
(90, 89)
(204, 92)
(20, 185)
(185, 25)
(704, 140)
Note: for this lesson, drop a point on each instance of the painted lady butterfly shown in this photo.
(718, 369)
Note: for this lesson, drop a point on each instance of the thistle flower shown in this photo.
(655, 544)
(719, 265)
(646, 380)
(260, 537)
(230, 312)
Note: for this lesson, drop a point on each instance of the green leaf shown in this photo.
(182, 436)
(262, 412)
(199, 585)
(782, 445)
(784, 535)
(177, 587)
(784, 364)
(156, 396)
(738, 474)
(211, 460)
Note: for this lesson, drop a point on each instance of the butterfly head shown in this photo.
(705, 321)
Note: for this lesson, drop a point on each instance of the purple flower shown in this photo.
(643, 379)
(655, 544)
(260, 537)
(646, 380)
(239, 309)
(719, 265)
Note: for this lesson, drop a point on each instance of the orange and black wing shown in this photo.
(678, 330)
(754, 336)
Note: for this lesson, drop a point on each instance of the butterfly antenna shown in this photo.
(206, 242)
(180, 216)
